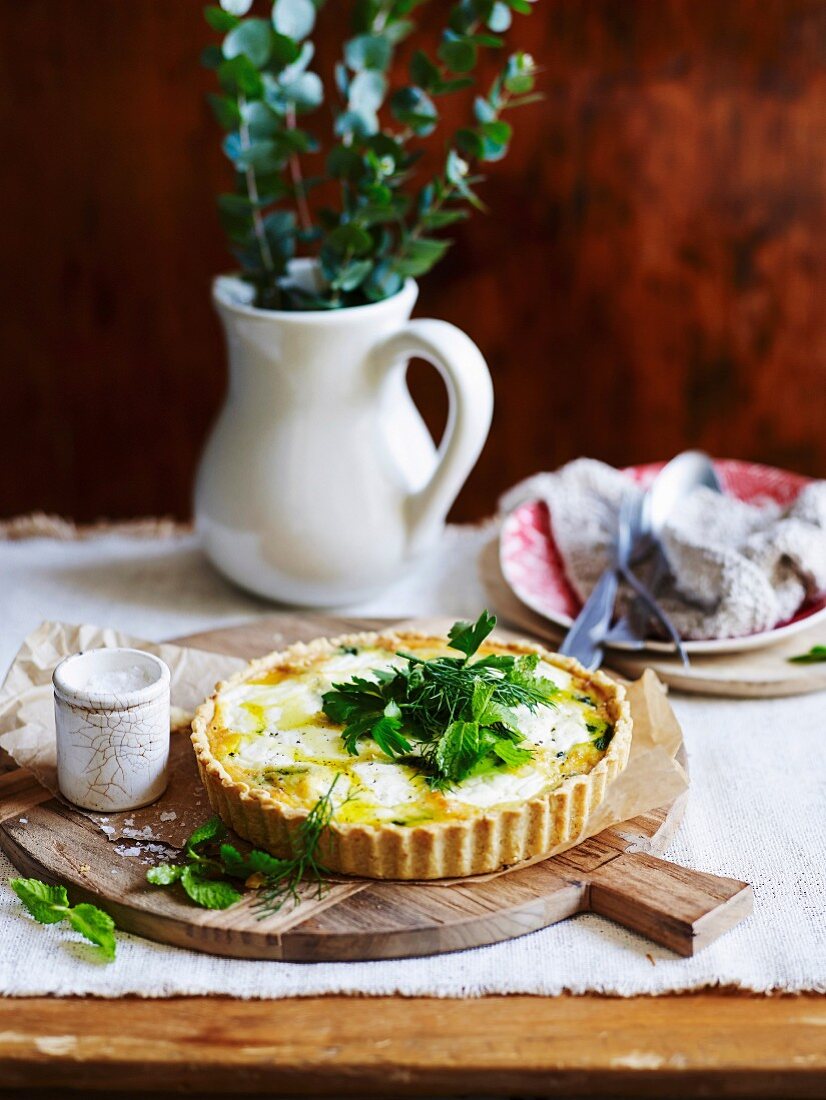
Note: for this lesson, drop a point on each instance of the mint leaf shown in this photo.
(457, 749)
(208, 893)
(47, 904)
(467, 637)
(164, 874)
(511, 755)
(94, 925)
(480, 701)
(214, 829)
(50, 904)
(234, 863)
(815, 654)
(266, 864)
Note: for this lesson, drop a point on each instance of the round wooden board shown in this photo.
(613, 874)
(752, 674)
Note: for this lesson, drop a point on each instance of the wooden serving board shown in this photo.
(752, 674)
(615, 874)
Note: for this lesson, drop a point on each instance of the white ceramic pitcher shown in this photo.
(320, 481)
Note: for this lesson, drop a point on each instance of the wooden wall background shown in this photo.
(652, 274)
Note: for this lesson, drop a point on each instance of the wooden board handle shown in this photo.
(671, 905)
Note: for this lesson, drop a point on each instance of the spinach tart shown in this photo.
(438, 757)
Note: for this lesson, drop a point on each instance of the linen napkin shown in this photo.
(736, 568)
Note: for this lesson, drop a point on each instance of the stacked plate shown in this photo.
(532, 569)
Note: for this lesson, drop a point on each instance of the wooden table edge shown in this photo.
(680, 1045)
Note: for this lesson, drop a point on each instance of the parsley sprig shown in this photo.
(50, 905)
(451, 717)
(208, 863)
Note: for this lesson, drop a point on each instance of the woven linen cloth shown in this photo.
(737, 568)
(756, 811)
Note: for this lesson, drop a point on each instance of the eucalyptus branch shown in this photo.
(377, 236)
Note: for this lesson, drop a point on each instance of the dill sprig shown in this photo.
(451, 717)
(282, 884)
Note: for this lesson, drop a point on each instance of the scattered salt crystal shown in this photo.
(168, 815)
(122, 850)
(23, 820)
(149, 854)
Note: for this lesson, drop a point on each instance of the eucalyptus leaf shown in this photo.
(467, 13)
(236, 7)
(459, 54)
(238, 75)
(294, 18)
(439, 219)
(252, 39)
(260, 119)
(368, 51)
(483, 110)
(349, 239)
(285, 50)
(279, 227)
(351, 276)
(419, 255)
(306, 91)
(423, 72)
(500, 17)
(359, 124)
(297, 67)
(220, 19)
(383, 282)
(398, 30)
(367, 91)
(225, 110)
(414, 108)
(497, 130)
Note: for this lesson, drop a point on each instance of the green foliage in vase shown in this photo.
(385, 224)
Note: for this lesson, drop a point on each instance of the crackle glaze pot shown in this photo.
(320, 481)
(112, 728)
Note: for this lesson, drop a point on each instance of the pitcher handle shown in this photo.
(470, 393)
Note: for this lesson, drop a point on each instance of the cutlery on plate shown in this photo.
(640, 525)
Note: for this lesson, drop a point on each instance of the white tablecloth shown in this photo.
(757, 810)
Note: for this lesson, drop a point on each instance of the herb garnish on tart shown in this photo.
(448, 716)
(451, 756)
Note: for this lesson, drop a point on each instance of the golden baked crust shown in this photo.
(482, 842)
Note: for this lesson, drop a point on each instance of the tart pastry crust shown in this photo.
(483, 842)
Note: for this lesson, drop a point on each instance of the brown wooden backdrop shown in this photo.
(652, 273)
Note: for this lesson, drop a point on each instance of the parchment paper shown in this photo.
(652, 778)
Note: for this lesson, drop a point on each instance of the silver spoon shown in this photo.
(677, 480)
(673, 484)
